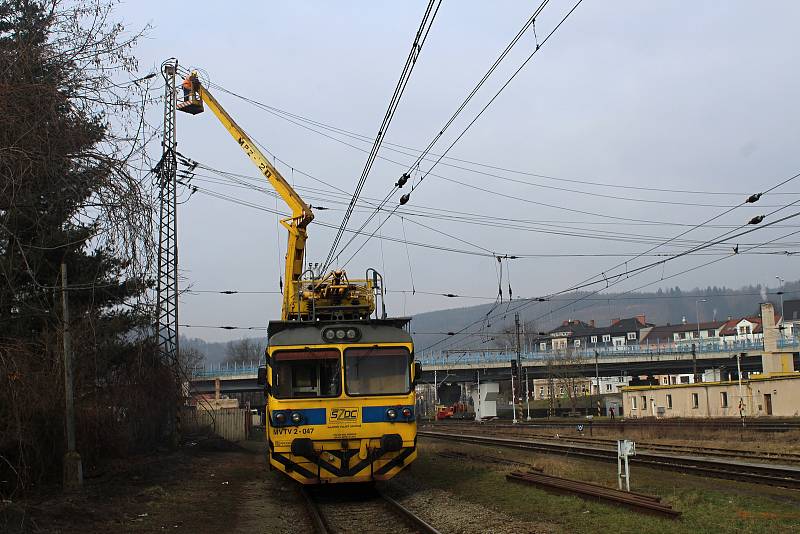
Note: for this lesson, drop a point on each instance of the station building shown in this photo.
(760, 396)
(774, 392)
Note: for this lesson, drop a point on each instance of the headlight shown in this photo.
(391, 413)
(333, 335)
(407, 413)
(280, 418)
(296, 418)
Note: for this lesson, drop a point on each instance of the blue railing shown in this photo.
(225, 369)
(455, 358)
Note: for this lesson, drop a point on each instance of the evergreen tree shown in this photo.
(69, 193)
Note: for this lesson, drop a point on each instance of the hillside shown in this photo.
(660, 307)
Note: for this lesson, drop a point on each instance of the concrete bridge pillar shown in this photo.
(773, 362)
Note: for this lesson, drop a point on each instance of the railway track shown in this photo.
(360, 509)
(770, 474)
(750, 425)
(759, 456)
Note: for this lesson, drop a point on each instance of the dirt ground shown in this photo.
(208, 487)
(215, 487)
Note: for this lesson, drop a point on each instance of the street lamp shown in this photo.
(697, 310)
(780, 292)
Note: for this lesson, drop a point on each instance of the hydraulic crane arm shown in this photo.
(330, 297)
(301, 212)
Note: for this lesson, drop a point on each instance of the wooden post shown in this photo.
(73, 469)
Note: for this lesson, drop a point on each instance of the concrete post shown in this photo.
(772, 361)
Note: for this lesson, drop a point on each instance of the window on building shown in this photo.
(633, 403)
(621, 379)
(695, 400)
(594, 339)
(608, 387)
(724, 399)
(665, 380)
(541, 391)
(644, 402)
(632, 336)
(669, 401)
(543, 346)
(684, 380)
(577, 343)
(606, 338)
(711, 333)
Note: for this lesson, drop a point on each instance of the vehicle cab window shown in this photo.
(377, 371)
(306, 373)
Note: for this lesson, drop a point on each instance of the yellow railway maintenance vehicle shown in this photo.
(339, 382)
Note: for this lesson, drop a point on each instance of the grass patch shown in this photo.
(707, 505)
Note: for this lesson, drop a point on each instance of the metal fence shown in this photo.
(226, 369)
(634, 350)
(231, 424)
(646, 350)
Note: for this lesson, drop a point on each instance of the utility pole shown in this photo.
(166, 328)
(780, 292)
(527, 395)
(550, 386)
(519, 364)
(73, 468)
(597, 379)
(694, 363)
(513, 401)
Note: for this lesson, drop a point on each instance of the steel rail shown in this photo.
(770, 474)
(322, 525)
(414, 520)
(750, 425)
(636, 501)
(766, 456)
(314, 514)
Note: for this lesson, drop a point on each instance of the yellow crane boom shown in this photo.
(301, 212)
(333, 296)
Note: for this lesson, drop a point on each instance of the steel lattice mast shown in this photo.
(167, 292)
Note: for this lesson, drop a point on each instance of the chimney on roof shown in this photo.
(729, 318)
(683, 321)
(614, 321)
(641, 319)
(591, 323)
(565, 323)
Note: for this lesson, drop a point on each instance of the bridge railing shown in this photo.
(632, 350)
(225, 369)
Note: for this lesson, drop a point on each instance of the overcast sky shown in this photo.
(691, 96)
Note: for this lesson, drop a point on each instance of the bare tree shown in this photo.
(570, 382)
(244, 350)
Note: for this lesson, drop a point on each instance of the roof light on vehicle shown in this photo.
(296, 418)
(407, 413)
(340, 334)
(391, 413)
(351, 333)
(280, 418)
(330, 335)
